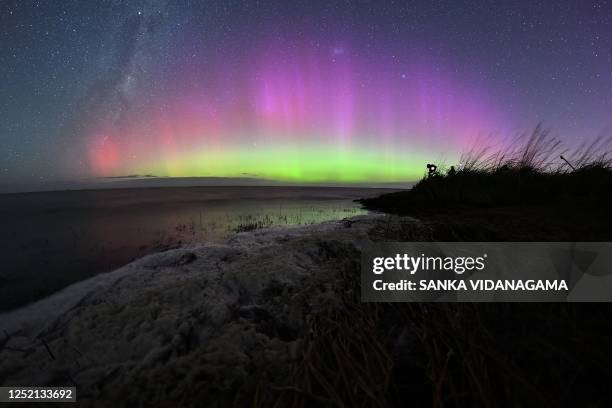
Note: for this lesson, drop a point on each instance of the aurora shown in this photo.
(296, 93)
(311, 115)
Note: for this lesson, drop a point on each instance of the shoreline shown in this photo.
(221, 307)
(56, 239)
(271, 316)
(70, 296)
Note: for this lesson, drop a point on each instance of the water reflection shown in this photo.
(54, 239)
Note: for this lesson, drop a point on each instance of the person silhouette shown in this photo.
(431, 169)
(451, 171)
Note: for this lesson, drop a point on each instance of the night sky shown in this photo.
(348, 92)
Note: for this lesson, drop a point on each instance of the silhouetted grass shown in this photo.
(477, 354)
(360, 354)
(534, 170)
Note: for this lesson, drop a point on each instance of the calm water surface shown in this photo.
(52, 239)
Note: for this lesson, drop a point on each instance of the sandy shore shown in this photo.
(204, 321)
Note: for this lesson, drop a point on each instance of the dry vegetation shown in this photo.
(448, 355)
(535, 170)
(490, 355)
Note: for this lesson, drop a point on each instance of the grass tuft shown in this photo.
(535, 170)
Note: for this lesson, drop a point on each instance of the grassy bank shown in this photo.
(378, 355)
(533, 191)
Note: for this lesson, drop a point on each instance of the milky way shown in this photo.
(296, 92)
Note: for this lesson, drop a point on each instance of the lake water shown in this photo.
(52, 239)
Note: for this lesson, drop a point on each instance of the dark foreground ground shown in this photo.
(273, 318)
(503, 354)
(509, 204)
